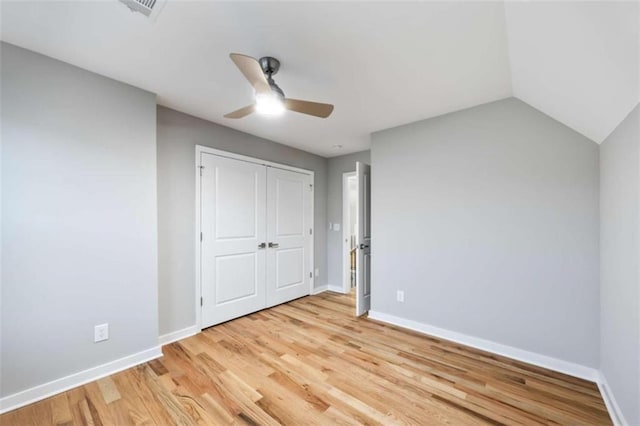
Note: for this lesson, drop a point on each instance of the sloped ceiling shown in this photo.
(381, 64)
(575, 61)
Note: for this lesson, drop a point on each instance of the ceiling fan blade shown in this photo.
(311, 108)
(242, 112)
(252, 71)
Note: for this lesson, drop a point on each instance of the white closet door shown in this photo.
(289, 213)
(233, 226)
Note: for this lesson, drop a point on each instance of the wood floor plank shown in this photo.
(42, 414)
(311, 361)
(109, 390)
(129, 409)
(60, 410)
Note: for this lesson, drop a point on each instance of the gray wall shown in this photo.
(79, 228)
(619, 273)
(488, 219)
(178, 134)
(338, 166)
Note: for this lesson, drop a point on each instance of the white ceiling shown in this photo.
(381, 64)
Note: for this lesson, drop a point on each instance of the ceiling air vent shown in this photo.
(143, 6)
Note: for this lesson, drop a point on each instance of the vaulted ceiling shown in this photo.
(381, 64)
(576, 61)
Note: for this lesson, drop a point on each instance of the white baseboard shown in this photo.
(37, 393)
(318, 290)
(609, 400)
(174, 336)
(544, 361)
(336, 288)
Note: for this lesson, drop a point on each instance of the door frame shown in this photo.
(346, 216)
(200, 149)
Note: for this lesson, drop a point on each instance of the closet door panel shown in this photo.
(233, 223)
(289, 212)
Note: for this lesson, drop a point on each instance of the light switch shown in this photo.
(336, 226)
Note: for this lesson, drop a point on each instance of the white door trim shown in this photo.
(198, 228)
(346, 220)
(200, 149)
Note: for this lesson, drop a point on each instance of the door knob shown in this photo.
(262, 245)
(274, 245)
(363, 246)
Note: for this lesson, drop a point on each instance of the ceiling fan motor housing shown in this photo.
(269, 65)
(275, 88)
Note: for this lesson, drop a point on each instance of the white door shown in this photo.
(363, 239)
(233, 225)
(289, 215)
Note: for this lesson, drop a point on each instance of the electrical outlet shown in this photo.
(317, 273)
(400, 296)
(101, 332)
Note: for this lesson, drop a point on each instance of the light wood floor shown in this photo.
(311, 362)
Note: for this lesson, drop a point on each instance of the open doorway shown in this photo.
(356, 236)
(349, 230)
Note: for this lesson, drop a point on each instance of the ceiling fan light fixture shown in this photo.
(269, 104)
(269, 99)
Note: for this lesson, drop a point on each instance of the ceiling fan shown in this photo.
(269, 98)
